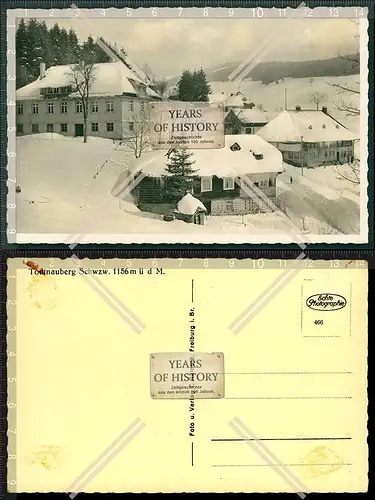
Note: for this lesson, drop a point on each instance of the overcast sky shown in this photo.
(169, 46)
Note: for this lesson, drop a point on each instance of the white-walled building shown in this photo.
(50, 103)
(310, 137)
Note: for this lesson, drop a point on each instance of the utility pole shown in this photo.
(301, 155)
(285, 100)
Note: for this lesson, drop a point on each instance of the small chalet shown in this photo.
(190, 209)
(310, 138)
(223, 178)
(244, 121)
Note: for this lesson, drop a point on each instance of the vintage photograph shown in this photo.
(269, 118)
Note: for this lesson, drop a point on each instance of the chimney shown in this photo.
(298, 107)
(42, 70)
(325, 110)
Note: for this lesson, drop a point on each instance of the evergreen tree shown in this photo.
(34, 48)
(64, 41)
(179, 178)
(91, 53)
(201, 87)
(184, 86)
(35, 43)
(193, 86)
(22, 50)
(73, 46)
(54, 36)
(45, 42)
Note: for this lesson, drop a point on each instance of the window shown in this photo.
(19, 128)
(64, 127)
(35, 108)
(110, 127)
(35, 128)
(248, 130)
(95, 107)
(228, 183)
(56, 91)
(95, 127)
(66, 90)
(131, 105)
(19, 108)
(235, 147)
(131, 126)
(50, 107)
(229, 205)
(79, 107)
(270, 183)
(263, 184)
(326, 153)
(49, 127)
(290, 154)
(256, 184)
(206, 184)
(49, 90)
(109, 105)
(142, 106)
(64, 107)
(296, 155)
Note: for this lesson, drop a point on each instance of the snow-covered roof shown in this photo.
(112, 78)
(311, 125)
(252, 115)
(233, 100)
(222, 162)
(218, 97)
(189, 205)
(237, 100)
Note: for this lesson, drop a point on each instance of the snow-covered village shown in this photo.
(294, 131)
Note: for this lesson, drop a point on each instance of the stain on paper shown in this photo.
(42, 289)
(45, 456)
(322, 460)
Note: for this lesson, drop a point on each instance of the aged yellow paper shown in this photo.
(81, 416)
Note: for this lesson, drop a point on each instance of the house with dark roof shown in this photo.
(117, 98)
(310, 138)
(223, 181)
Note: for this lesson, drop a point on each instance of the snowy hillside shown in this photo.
(271, 97)
(67, 188)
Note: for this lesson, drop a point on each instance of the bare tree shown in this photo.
(352, 174)
(317, 98)
(346, 90)
(160, 86)
(311, 81)
(82, 76)
(148, 73)
(260, 107)
(137, 139)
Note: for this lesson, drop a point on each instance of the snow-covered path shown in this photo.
(312, 197)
